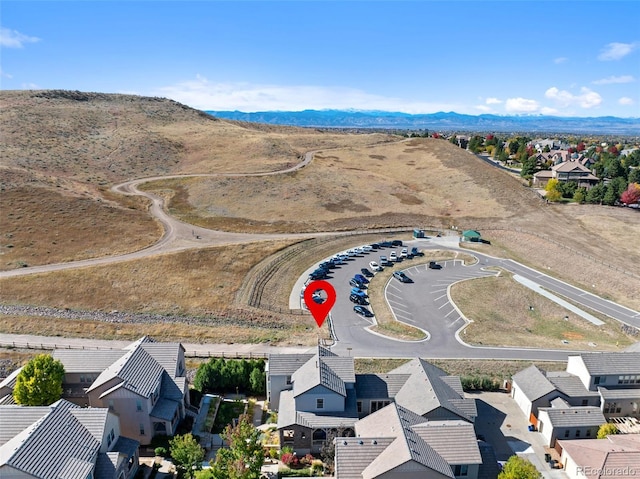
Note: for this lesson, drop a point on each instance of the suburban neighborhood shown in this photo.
(413, 421)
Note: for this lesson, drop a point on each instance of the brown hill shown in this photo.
(61, 151)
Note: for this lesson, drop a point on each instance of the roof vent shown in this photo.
(361, 442)
(374, 442)
(344, 443)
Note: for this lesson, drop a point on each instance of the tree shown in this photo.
(607, 429)
(244, 457)
(519, 468)
(595, 194)
(631, 195)
(528, 167)
(40, 382)
(187, 454)
(580, 195)
(257, 380)
(610, 196)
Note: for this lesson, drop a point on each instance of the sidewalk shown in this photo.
(201, 350)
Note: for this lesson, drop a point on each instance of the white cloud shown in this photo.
(14, 39)
(616, 51)
(545, 110)
(586, 99)
(203, 94)
(30, 86)
(521, 105)
(493, 101)
(560, 60)
(483, 108)
(614, 79)
(4, 74)
(625, 100)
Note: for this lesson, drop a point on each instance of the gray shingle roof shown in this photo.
(78, 361)
(354, 454)
(138, 371)
(575, 416)
(15, 419)
(455, 441)
(288, 416)
(601, 364)
(569, 384)
(316, 372)
(428, 388)
(626, 393)
(166, 354)
(374, 386)
(164, 409)
(394, 421)
(286, 364)
(533, 383)
(58, 434)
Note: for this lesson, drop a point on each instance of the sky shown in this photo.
(573, 58)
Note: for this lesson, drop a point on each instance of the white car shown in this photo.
(375, 266)
(383, 260)
(351, 252)
(366, 248)
(393, 256)
(404, 253)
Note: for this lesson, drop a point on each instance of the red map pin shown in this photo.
(319, 310)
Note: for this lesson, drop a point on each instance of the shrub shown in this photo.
(289, 459)
(160, 451)
(307, 460)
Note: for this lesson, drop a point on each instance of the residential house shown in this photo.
(321, 400)
(616, 378)
(533, 388)
(144, 383)
(395, 442)
(615, 457)
(319, 394)
(564, 172)
(64, 441)
(562, 421)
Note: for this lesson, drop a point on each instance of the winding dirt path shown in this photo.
(178, 235)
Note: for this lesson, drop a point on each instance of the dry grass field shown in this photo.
(504, 318)
(61, 151)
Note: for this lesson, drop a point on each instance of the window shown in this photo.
(110, 438)
(375, 405)
(588, 434)
(585, 402)
(111, 407)
(359, 403)
(288, 379)
(141, 429)
(460, 470)
(597, 380)
(566, 433)
(319, 403)
(577, 432)
(138, 405)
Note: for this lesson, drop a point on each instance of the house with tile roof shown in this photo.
(533, 388)
(319, 394)
(145, 384)
(64, 441)
(561, 421)
(396, 442)
(615, 457)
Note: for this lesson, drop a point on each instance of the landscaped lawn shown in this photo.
(227, 412)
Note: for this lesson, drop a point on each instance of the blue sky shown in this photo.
(575, 58)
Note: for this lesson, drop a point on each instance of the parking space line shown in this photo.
(394, 295)
(440, 297)
(438, 291)
(394, 287)
(453, 310)
(445, 304)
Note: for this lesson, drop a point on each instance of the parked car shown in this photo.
(367, 273)
(375, 266)
(393, 256)
(416, 252)
(359, 292)
(434, 265)
(317, 297)
(362, 311)
(361, 278)
(396, 243)
(366, 248)
(375, 246)
(386, 244)
(404, 253)
(319, 274)
(354, 298)
(400, 276)
(384, 261)
(357, 284)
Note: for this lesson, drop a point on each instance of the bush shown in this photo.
(290, 460)
(307, 460)
(160, 451)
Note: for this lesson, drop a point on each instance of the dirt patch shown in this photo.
(346, 205)
(407, 199)
(378, 157)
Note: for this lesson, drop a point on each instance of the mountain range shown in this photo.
(441, 122)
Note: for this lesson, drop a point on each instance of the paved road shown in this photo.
(426, 304)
